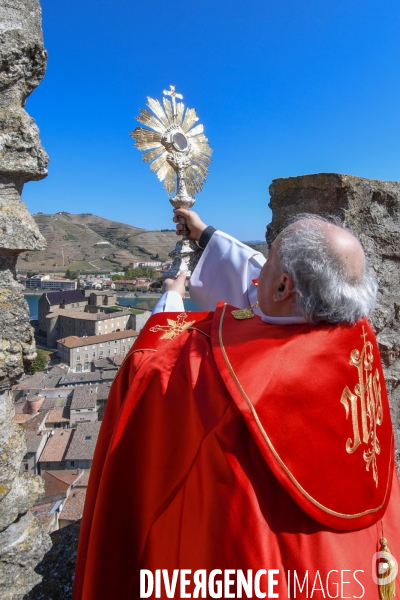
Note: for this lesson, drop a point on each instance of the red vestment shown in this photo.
(240, 445)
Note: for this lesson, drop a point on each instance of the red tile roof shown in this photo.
(84, 441)
(73, 506)
(74, 341)
(57, 446)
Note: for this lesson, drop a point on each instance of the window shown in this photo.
(86, 355)
(129, 339)
(78, 357)
(85, 347)
(78, 349)
(78, 368)
(82, 464)
(123, 348)
(94, 355)
(101, 345)
(71, 463)
(93, 346)
(86, 366)
(115, 341)
(88, 437)
(108, 343)
(115, 351)
(108, 352)
(101, 353)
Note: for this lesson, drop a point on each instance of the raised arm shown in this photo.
(226, 268)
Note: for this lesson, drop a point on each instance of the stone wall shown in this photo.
(23, 60)
(371, 209)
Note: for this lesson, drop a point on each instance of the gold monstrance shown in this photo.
(179, 153)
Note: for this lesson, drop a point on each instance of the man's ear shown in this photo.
(284, 289)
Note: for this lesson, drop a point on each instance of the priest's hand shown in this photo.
(175, 285)
(193, 223)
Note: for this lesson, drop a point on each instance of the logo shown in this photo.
(384, 568)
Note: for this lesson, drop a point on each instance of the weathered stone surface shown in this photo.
(25, 491)
(22, 546)
(22, 56)
(371, 209)
(16, 337)
(23, 542)
(18, 230)
(58, 566)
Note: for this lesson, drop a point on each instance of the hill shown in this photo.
(90, 243)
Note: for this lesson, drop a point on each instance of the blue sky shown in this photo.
(283, 89)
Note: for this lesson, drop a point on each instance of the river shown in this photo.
(143, 302)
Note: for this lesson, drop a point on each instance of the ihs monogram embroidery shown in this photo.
(367, 395)
(173, 328)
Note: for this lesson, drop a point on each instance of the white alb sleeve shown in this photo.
(225, 272)
(169, 302)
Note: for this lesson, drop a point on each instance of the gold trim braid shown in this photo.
(274, 452)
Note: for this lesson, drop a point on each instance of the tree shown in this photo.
(71, 274)
(40, 362)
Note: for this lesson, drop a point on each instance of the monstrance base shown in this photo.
(186, 255)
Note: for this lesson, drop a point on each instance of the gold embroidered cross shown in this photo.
(173, 328)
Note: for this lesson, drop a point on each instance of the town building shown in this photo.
(63, 323)
(36, 438)
(48, 282)
(146, 263)
(78, 313)
(125, 284)
(80, 352)
(109, 363)
(58, 418)
(75, 299)
(81, 450)
(41, 381)
(80, 379)
(103, 391)
(54, 453)
(72, 509)
(84, 405)
(59, 485)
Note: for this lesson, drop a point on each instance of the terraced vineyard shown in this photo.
(89, 243)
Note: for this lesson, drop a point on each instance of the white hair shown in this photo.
(324, 290)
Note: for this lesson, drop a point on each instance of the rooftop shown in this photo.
(102, 391)
(73, 506)
(87, 378)
(43, 512)
(66, 296)
(85, 316)
(58, 415)
(21, 418)
(54, 485)
(78, 477)
(52, 403)
(109, 362)
(101, 292)
(84, 397)
(73, 341)
(33, 441)
(36, 423)
(57, 445)
(41, 380)
(84, 441)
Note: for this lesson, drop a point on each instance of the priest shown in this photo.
(248, 452)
